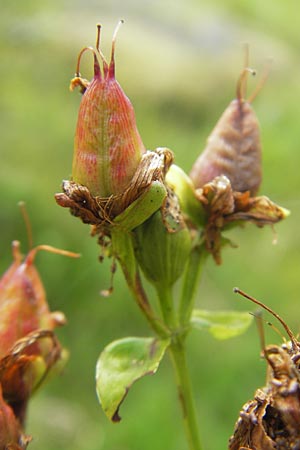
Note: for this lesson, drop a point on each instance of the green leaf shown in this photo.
(122, 363)
(221, 324)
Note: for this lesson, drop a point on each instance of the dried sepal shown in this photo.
(25, 366)
(272, 419)
(249, 432)
(102, 211)
(225, 207)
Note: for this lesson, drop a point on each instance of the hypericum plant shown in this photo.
(152, 218)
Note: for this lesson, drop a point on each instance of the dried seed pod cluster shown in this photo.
(272, 419)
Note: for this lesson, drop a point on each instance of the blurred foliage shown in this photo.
(178, 61)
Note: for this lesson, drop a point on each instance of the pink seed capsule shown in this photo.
(108, 146)
(233, 148)
(23, 303)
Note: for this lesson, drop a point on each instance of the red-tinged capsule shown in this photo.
(23, 303)
(233, 148)
(108, 146)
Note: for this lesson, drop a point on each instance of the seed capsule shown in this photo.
(108, 147)
(233, 148)
(28, 346)
(163, 243)
(23, 304)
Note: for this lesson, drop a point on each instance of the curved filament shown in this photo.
(104, 62)
(48, 248)
(242, 82)
(262, 81)
(96, 63)
(27, 223)
(113, 46)
(285, 326)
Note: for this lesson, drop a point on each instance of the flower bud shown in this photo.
(233, 148)
(108, 147)
(163, 244)
(184, 188)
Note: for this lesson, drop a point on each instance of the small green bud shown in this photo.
(163, 244)
(184, 188)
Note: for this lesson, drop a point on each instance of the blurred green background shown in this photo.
(178, 61)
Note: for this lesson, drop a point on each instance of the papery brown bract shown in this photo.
(102, 212)
(25, 366)
(224, 208)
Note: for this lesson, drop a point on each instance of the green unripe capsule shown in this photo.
(163, 244)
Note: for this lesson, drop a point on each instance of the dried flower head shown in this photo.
(272, 419)
(225, 208)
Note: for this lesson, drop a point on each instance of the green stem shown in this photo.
(190, 283)
(177, 351)
(123, 251)
(142, 301)
(165, 297)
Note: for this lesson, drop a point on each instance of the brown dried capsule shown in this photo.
(272, 419)
(233, 148)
